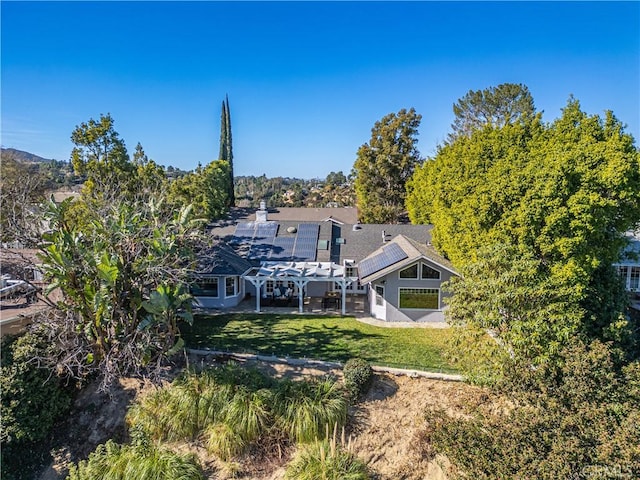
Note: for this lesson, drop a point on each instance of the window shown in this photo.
(352, 271)
(205, 287)
(379, 295)
(410, 272)
(420, 298)
(230, 286)
(623, 272)
(268, 287)
(428, 272)
(634, 279)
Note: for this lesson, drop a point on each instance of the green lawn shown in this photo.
(320, 338)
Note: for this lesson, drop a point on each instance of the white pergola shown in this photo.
(300, 273)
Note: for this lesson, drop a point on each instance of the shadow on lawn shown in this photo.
(266, 335)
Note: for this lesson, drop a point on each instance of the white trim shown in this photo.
(420, 309)
(235, 286)
(216, 278)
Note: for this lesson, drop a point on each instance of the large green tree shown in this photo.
(566, 191)
(385, 164)
(100, 155)
(561, 195)
(226, 146)
(493, 107)
(207, 189)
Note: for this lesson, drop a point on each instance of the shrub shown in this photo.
(327, 460)
(232, 408)
(567, 420)
(33, 399)
(112, 461)
(357, 377)
(305, 409)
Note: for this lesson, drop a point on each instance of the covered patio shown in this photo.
(302, 274)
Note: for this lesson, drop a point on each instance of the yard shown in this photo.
(321, 338)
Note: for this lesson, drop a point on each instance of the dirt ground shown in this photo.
(384, 428)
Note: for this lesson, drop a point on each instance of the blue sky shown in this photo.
(306, 80)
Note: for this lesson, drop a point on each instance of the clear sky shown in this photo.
(306, 80)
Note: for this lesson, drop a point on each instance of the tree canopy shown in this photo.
(493, 107)
(226, 148)
(561, 196)
(22, 185)
(120, 275)
(385, 164)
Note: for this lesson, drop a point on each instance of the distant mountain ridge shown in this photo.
(25, 156)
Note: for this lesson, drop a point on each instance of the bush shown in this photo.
(32, 401)
(327, 460)
(142, 462)
(567, 420)
(305, 409)
(232, 408)
(357, 377)
(32, 397)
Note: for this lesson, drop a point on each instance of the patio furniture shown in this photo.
(332, 300)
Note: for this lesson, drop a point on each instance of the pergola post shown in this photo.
(258, 284)
(300, 284)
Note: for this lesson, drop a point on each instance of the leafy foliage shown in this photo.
(112, 461)
(565, 191)
(494, 107)
(384, 165)
(231, 408)
(33, 399)
(561, 197)
(335, 190)
(207, 189)
(357, 375)
(512, 296)
(226, 148)
(119, 276)
(327, 459)
(575, 419)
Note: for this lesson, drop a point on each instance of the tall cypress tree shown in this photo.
(226, 146)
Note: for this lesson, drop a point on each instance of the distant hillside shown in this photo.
(24, 156)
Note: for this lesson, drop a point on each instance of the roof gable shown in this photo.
(412, 251)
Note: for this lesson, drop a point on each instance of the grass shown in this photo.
(321, 338)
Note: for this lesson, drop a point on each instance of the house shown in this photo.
(629, 265)
(287, 256)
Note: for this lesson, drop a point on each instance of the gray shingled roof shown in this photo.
(357, 241)
(365, 238)
(414, 250)
(221, 259)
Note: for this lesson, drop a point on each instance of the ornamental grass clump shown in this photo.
(112, 461)
(230, 409)
(327, 459)
(305, 409)
(244, 418)
(358, 375)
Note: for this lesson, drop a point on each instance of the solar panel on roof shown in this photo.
(390, 254)
(306, 243)
(282, 248)
(266, 230)
(245, 229)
